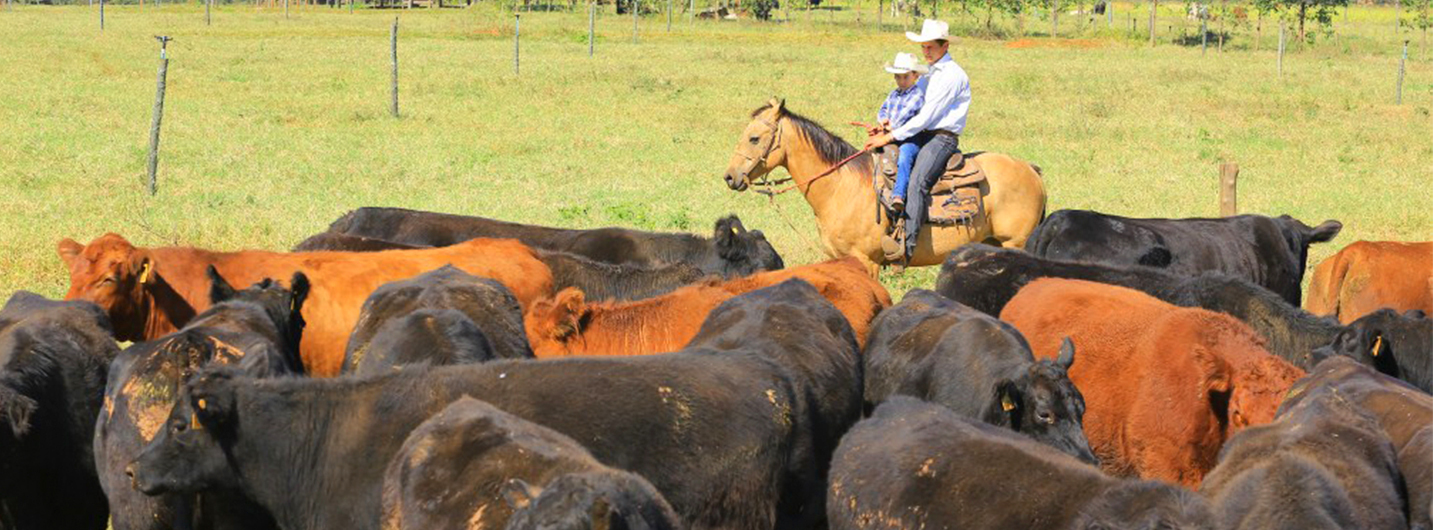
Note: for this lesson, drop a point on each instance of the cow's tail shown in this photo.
(1326, 285)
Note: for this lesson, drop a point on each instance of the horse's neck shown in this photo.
(842, 190)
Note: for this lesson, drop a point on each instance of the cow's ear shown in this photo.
(141, 266)
(1217, 373)
(299, 288)
(219, 288)
(212, 398)
(568, 309)
(69, 251)
(735, 224)
(519, 494)
(16, 409)
(1325, 232)
(1066, 357)
(1159, 257)
(727, 238)
(1010, 402)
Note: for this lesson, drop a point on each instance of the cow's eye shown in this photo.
(179, 427)
(107, 280)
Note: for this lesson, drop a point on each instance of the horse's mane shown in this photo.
(830, 147)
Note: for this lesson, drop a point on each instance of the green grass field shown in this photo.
(274, 126)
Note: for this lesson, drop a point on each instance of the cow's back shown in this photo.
(414, 227)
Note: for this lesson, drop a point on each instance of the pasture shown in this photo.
(274, 127)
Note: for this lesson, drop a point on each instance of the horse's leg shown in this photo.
(872, 268)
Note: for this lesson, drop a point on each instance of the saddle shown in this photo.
(956, 199)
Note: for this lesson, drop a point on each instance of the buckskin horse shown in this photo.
(845, 201)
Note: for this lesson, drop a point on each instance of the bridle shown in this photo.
(772, 142)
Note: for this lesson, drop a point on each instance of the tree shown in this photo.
(1320, 11)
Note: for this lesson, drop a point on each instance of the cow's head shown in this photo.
(1299, 236)
(1044, 404)
(1372, 340)
(284, 307)
(1247, 395)
(552, 322)
(743, 252)
(113, 274)
(190, 453)
(1145, 505)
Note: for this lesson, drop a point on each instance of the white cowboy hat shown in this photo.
(905, 63)
(931, 30)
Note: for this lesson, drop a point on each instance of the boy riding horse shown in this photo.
(936, 128)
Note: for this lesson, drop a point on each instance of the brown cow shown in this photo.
(567, 324)
(151, 292)
(1370, 275)
(1164, 386)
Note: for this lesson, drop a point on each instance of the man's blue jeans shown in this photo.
(908, 149)
(929, 166)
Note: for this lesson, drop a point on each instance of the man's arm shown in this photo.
(940, 94)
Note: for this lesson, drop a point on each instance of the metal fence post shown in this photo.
(208, 19)
(634, 5)
(516, 40)
(158, 112)
(1281, 50)
(591, 26)
(393, 40)
(669, 16)
(101, 15)
(1401, 60)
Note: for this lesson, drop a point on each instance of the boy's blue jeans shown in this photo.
(907, 159)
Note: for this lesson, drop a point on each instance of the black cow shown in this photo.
(919, 465)
(1404, 414)
(1398, 345)
(258, 330)
(443, 316)
(549, 480)
(349, 243)
(1415, 460)
(601, 281)
(1268, 251)
(731, 252)
(935, 349)
(735, 430)
(1321, 464)
(986, 278)
(53, 359)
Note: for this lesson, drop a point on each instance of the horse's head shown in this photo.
(758, 150)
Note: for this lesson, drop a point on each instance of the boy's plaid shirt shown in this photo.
(901, 105)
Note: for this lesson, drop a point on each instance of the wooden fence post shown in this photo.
(1281, 50)
(393, 47)
(1228, 189)
(158, 113)
(635, 5)
(1054, 18)
(1153, 15)
(1203, 36)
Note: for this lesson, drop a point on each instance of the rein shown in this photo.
(763, 184)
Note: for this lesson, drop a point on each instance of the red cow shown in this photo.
(151, 292)
(1370, 275)
(1164, 386)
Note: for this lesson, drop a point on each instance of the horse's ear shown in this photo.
(777, 104)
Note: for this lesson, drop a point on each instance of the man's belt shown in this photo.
(943, 132)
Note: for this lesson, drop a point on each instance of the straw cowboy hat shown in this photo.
(905, 63)
(931, 30)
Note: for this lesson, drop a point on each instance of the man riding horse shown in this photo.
(936, 128)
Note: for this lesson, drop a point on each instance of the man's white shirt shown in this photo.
(947, 99)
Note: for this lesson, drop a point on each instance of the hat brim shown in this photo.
(917, 37)
(895, 70)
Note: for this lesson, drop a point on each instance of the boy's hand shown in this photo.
(876, 142)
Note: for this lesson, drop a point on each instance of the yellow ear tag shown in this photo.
(1377, 345)
(194, 422)
(1005, 404)
(144, 273)
(203, 404)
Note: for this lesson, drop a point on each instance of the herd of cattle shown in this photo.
(415, 370)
